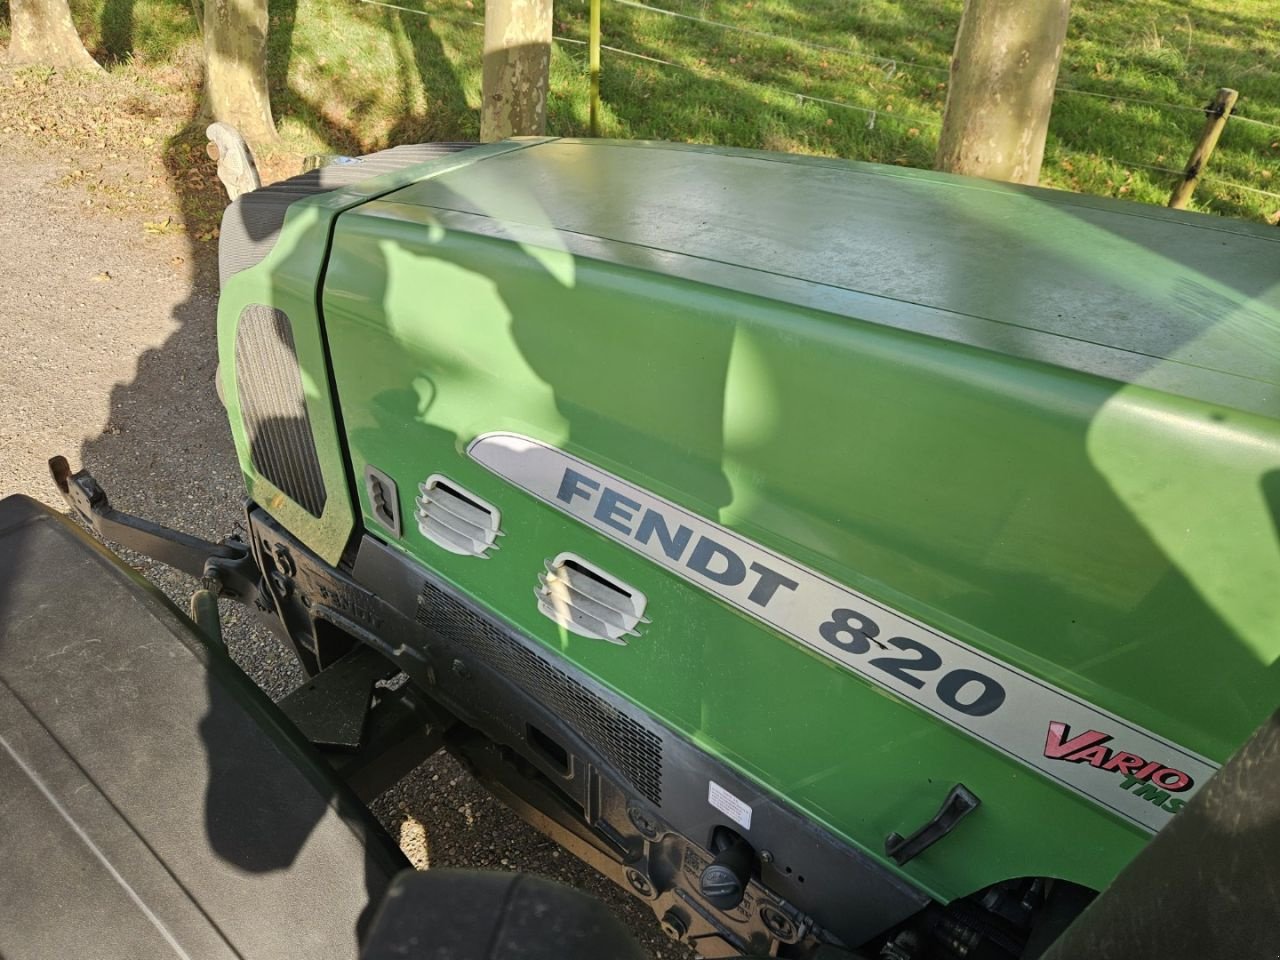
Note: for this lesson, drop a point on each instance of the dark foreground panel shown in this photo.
(485, 915)
(153, 802)
(1208, 885)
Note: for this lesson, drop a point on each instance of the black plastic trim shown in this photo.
(828, 890)
(844, 890)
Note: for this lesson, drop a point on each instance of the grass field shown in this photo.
(352, 75)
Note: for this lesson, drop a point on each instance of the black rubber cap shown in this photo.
(721, 887)
(724, 881)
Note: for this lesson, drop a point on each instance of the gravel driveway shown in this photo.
(107, 355)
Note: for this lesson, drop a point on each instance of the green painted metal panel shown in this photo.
(289, 278)
(1045, 426)
(1103, 286)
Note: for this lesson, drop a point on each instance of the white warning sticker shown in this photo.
(733, 808)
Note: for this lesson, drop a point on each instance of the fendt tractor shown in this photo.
(847, 560)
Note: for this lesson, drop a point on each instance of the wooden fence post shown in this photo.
(514, 73)
(1216, 114)
(593, 63)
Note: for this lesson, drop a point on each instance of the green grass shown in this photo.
(349, 76)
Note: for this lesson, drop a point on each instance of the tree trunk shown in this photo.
(1003, 73)
(42, 32)
(517, 62)
(235, 67)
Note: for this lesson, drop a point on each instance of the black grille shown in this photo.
(635, 752)
(274, 409)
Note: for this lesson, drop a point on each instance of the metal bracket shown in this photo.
(960, 802)
(331, 708)
(226, 568)
(370, 736)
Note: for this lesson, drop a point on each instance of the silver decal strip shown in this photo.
(1134, 773)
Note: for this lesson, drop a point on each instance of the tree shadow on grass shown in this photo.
(736, 89)
(287, 101)
(424, 75)
(447, 115)
(117, 27)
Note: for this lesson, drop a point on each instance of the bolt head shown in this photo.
(285, 560)
(777, 922)
(642, 822)
(639, 883)
(674, 925)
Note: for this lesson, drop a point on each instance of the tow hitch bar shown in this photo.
(226, 569)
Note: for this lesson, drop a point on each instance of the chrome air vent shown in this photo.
(456, 519)
(585, 600)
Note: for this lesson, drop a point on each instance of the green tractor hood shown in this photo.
(919, 480)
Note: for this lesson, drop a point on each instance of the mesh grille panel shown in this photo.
(634, 751)
(273, 407)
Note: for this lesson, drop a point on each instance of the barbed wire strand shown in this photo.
(874, 111)
(1240, 186)
(1116, 96)
(1260, 123)
(1162, 103)
(1205, 178)
(424, 13)
(1144, 166)
(624, 53)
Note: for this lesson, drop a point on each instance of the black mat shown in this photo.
(153, 802)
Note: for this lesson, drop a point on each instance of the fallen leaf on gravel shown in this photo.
(102, 277)
(158, 226)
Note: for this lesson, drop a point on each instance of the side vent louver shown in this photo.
(384, 500)
(585, 600)
(456, 519)
(273, 406)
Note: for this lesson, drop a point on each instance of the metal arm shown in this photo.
(227, 568)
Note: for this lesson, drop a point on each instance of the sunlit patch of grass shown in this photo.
(350, 76)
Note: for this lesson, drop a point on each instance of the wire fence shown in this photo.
(782, 38)
(890, 67)
(894, 64)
